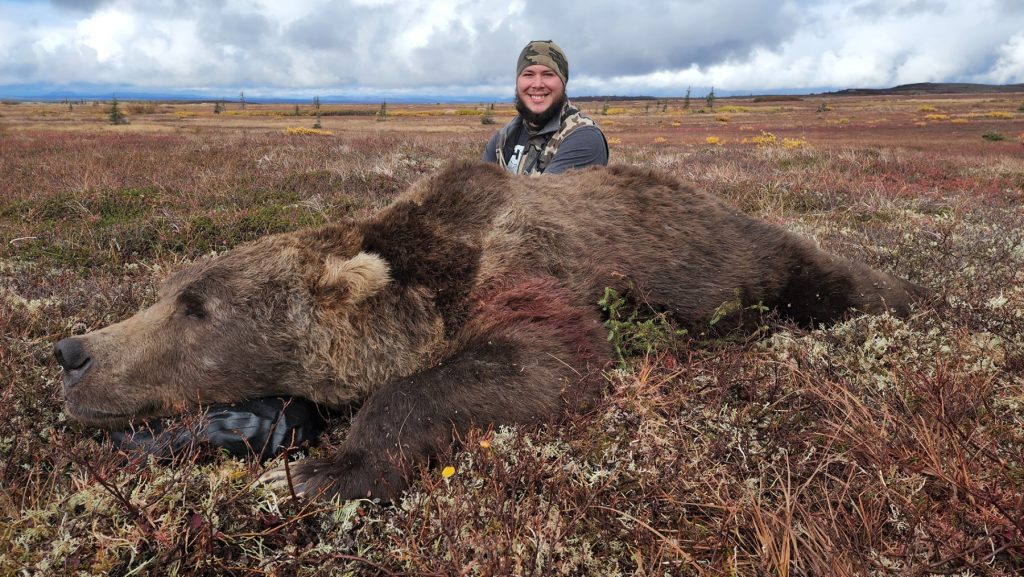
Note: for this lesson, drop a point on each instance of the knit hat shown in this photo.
(544, 52)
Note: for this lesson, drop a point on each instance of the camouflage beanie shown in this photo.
(547, 53)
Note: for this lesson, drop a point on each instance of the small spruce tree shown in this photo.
(241, 99)
(710, 98)
(488, 117)
(686, 99)
(382, 114)
(116, 116)
(316, 110)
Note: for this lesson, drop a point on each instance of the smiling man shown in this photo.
(549, 135)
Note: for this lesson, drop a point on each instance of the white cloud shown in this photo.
(108, 33)
(456, 46)
(1009, 67)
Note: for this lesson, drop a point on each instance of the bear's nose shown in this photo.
(71, 356)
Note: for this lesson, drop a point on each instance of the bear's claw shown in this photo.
(278, 480)
(327, 479)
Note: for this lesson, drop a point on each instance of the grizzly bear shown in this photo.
(470, 301)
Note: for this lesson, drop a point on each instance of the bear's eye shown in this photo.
(191, 306)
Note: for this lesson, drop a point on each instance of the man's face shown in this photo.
(539, 88)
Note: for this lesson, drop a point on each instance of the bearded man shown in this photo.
(549, 135)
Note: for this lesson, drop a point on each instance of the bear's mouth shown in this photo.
(107, 419)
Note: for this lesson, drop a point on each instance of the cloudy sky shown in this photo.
(392, 48)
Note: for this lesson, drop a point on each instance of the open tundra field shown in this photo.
(876, 446)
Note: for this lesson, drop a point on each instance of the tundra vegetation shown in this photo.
(874, 446)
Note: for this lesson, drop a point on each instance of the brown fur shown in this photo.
(470, 301)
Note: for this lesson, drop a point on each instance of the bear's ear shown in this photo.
(352, 280)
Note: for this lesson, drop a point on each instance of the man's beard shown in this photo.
(539, 119)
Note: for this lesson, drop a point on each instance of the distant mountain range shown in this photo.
(932, 88)
(76, 92)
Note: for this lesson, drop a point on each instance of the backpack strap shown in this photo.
(505, 147)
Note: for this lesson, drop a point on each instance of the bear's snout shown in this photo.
(72, 357)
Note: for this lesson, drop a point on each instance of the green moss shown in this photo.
(634, 328)
(798, 162)
(306, 184)
(270, 220)
(201, 235)
(56, 207)
(125, 205)
(48, 251)
(16, 208)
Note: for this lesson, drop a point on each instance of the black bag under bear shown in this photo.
(261, 428)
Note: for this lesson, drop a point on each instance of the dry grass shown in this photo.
(876, 446)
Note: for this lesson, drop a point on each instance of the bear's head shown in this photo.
(290, 314)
